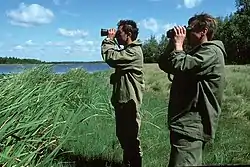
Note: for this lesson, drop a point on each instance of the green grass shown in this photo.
(67, 120)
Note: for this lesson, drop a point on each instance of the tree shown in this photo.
(150, 50)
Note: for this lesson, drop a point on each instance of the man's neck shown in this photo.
(203, 40)
(128, 42)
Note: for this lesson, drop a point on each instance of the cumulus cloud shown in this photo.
(169, 26)
(178, 6)
(156, 26)
(86, 46)
(150, 24)
(58, 43)
(79, 45)
(72, 33)
(30, 15)
(29, 42)
(19, 47)
(191, 3)
(82, 42)
(67, 49)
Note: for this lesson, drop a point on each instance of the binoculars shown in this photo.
(104, 32)
(170, 33)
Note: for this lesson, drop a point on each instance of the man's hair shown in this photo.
(204, 20)
(129, 26)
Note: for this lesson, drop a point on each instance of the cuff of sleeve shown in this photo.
(109, 40)
(175, 52)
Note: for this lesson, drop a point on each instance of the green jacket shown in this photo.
(197, 89)
(128, 79)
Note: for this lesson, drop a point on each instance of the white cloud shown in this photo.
(169, 26)
(19, 47)
(49, 43)
(81, 42)
(67, 49)
(30, 15)
(72, 33)
(79, 45)
(157, 26)
(150, 24)
(86, 46)
(29, 42)
(60, 43)
(191, 3)
(178, 6)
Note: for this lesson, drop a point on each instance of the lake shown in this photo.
(57, 68)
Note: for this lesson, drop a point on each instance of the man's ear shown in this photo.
(204, 31)
(130, 34)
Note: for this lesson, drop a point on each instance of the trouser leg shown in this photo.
(185, 151)
(127, 131)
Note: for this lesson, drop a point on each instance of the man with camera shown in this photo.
(128, 85)
(196, 90)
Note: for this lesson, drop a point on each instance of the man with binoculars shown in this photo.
(197, 88)
(128, 85)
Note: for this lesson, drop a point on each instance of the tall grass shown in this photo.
(39, 113)
(67, 120)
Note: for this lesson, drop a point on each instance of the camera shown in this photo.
(104, 32)
(170, 33)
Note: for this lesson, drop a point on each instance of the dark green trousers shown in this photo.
(127, 131)
(185, 151)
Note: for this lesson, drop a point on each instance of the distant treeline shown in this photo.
(15, 60)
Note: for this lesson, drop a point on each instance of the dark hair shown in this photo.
(129, 26)
(204, 20)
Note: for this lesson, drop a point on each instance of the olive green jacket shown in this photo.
(128, 79)
(197, 88)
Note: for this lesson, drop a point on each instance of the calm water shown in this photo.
(57, 68)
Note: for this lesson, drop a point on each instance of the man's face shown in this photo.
(194, 35)
(121, 36)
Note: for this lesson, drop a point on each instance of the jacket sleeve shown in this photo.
(163, 62)
(179, 61)
(114, 57)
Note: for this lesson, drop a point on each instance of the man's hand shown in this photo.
(179, 37)
(111, 33)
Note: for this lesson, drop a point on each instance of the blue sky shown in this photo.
(69, 30)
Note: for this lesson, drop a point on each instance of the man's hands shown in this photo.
(111, 33)
(179, 37)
